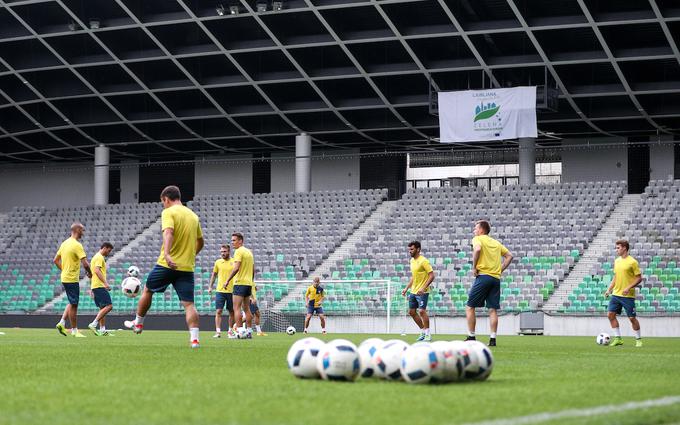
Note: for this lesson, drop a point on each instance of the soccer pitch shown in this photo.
(155, 378)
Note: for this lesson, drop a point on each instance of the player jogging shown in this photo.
(418, 288)
(627, 276)
(486, 268)
(69, 258)
(255, 311)
(224, 293)
(100, 289)
(313, 299)
(182, 241)
(243, 275)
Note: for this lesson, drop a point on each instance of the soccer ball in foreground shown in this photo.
(603, 339)
(417, 364)
(302, 357)
(133, 271)
(290, 330)
(367, 350)
(481, 363)
(388, 359)
(338, 361)
(131, 287)
(450, 366)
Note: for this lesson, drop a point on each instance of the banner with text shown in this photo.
(481, 115)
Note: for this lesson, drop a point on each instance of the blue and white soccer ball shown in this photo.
(481, 363)
(133, 271)
(367, 350)
(338, 360)
(290, 330)
(131, 287)
(388, 359)
(302, 357)
(467, 359)
(603, 339)
(450, 362)
(417, 364)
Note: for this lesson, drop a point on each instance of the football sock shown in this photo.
(617, 332)
(493, 335)
(259, 329)
(139, 320)
(426, 331)
(218, 330)
(62, 322)
(94, 324)
(637, 334)
(102, 328)
(74, 331)
(471, 333)
(194, 334)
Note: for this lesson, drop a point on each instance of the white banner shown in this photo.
(481, 115)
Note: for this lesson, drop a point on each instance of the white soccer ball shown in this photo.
(338, 360)
(388, 359)
(466, 358)
(367, 350)
(133, 271)
(131, 287)
(417, 364)
(302, 357)
(290, 330)
(450, 362)
(603, 339)
(481, 361)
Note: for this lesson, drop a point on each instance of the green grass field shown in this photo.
(155, 378)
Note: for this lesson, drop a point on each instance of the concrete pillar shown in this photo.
(303, 163)
(101, 175)
(527, 160)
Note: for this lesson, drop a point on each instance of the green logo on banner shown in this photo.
(484, 112)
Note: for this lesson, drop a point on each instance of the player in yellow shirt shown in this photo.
(182, 241)
(69, 258)
(627, 276)
(243, 275)
(313, 299)
(100, 289)
(418, 289)
(487, 267)
(223, 295)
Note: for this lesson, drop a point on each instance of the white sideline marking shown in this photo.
(576, 413)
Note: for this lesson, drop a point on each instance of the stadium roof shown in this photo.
(168, 78)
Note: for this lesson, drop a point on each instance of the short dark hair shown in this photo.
(225, 246)
(485, 226)
(414, 243)
(238, 236)
(172, 193)
(624, 243)
(108, 245)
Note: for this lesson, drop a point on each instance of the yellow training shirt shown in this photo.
(489, 262)
(420, 270)
(244, 276)
(314, 294)
(223, 269)
(187, 229)
(625, 272)
(97, 262)
(71, 252)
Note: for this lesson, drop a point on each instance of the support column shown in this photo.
(527, 160)
(101, 175)
(303, 163)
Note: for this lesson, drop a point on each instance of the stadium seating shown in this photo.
(654, 235)
(547, 227)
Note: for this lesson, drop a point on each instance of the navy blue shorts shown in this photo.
(616, 304)
(418, 301)
(72, 292)
(253, 307)
(314, 310)
(161, 277)
(102, 298)
(243, 290)
(485, 290)
(222, 299)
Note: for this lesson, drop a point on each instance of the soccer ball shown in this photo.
(481, 363)
(367, 350)
(131, 286)
(603, 339)
(466, 358)
(302, 357)
(388, 359)
(133, 271)
(338, 361)
(290, 330)
(450, 366)
(417, 364)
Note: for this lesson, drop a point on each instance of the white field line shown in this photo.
(577, 413)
